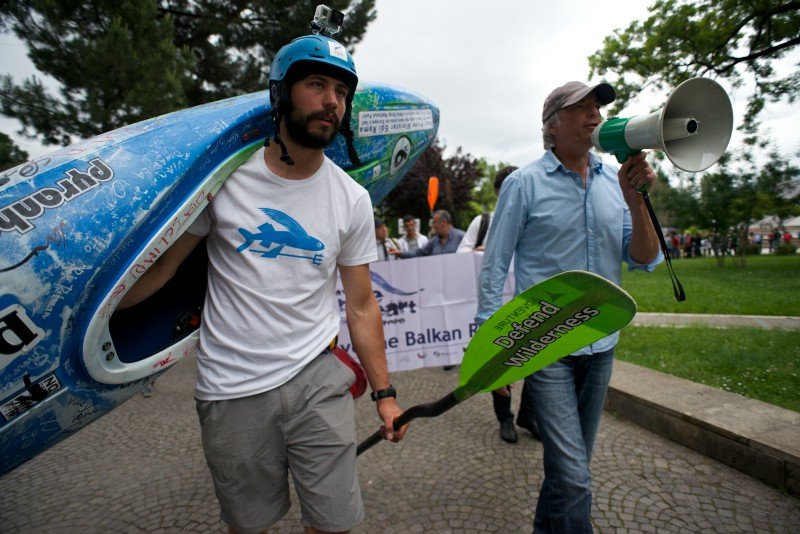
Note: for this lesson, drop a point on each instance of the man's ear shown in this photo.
(551, 125)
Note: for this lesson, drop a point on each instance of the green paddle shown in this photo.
(544, 323)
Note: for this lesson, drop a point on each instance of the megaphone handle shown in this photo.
(677, 288)
(622, 156)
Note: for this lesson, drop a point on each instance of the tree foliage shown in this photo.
(10, 154)
(235, 41)
(121, 61)
(115, 61)
(776, 189)
(739, 41)
(676, 207)
(725, 202)
(727, 39)
(725, 197)
(484, 196)
(458, 176)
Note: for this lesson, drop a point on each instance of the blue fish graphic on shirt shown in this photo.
(274, 240)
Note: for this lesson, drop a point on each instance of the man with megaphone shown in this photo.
(569, 210)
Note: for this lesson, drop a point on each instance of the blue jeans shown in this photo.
(567, 402)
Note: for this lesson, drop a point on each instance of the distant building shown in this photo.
(792, 225)
(765, 225)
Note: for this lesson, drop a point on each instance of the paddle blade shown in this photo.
(433, 191)
(544, 323)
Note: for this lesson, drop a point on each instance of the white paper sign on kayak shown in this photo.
(396, 121)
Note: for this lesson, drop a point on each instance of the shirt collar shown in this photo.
(552, 163)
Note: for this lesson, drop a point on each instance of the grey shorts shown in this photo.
(305, 427)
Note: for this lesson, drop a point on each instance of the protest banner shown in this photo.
(428, 306)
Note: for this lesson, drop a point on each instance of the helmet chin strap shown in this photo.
(285, 157)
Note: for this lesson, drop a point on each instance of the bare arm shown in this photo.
(161, 271)
(366, 332)
(637, 173)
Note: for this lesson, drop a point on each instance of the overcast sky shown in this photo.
(489, 69)
(488, 66)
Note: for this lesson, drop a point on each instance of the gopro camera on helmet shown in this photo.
(327, 21)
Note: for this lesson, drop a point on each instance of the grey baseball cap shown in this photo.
(572, 92)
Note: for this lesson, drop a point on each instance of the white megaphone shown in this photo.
(693, 128)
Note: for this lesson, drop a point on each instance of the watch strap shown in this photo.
(383, 393)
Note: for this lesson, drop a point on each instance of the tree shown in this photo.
(235, 41)
(716, 38)
(717, 194)
(484, 196)
(10, 154)
(458, 176)
(121, 61)
(115, 61)
(735, 40)
(731, 200)
(776, 189)
(674, 206)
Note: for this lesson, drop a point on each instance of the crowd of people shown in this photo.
(444, 239)
(687, 245)
(777, 237)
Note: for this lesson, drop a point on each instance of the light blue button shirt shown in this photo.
(549, 223)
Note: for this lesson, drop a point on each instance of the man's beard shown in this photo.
(300, 131)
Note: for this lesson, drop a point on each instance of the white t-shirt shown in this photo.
(273, 246)
(471, 235)
(412, 245)
(390, 243)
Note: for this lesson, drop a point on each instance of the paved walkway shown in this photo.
(141, 469)
(768, 322)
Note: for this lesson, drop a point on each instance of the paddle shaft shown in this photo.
(430, 409)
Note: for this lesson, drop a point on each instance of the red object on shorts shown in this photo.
(360, 385)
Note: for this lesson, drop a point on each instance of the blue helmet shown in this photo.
(312, 54)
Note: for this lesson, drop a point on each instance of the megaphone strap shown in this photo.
(677, 288)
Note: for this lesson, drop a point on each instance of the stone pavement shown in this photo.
(141, 469)
(757, 438)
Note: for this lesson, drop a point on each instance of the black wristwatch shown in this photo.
(383, 393)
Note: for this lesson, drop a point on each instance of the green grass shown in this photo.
(768, 285)
(760, 364)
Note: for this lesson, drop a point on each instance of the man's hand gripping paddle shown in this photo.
(541, 325)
